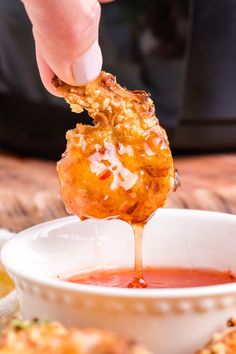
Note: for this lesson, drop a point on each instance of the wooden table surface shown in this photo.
(29, 189)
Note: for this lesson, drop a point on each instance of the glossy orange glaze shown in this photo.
(122, 166)
(154, 277)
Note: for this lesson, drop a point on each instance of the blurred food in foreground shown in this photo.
(222, 342)
(31, 337)
(6, 284)
(122, 166)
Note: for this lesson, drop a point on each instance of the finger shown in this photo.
(46, 74)
(66, 35)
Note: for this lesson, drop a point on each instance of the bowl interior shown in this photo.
(180, 238)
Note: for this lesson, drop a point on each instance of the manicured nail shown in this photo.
(88, 67)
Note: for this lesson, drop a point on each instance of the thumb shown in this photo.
(66, 36)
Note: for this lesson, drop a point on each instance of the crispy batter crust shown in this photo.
(222, 343)
(120, 167)
(47, 338)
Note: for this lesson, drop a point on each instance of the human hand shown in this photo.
(66, 39)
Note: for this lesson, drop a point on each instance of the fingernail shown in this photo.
(88, 67)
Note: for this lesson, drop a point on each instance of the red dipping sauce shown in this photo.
(154, 277)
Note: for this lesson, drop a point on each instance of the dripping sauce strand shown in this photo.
(138, 277)
(138, 280)
(138, 230)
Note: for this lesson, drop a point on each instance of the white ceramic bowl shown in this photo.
(167, 321)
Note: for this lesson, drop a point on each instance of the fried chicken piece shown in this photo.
(224, 342)
(46, 338)
(122, 166)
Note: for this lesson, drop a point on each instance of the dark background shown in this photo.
(182, 51)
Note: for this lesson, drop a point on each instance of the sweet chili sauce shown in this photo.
(154, 277)
(151, 277)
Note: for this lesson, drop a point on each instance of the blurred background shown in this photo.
(181, 51)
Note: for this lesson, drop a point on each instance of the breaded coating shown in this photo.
(222, 343)
(122, 166)
(52, 338)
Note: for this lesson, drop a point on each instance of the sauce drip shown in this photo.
(138, 277)
(155, 278)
